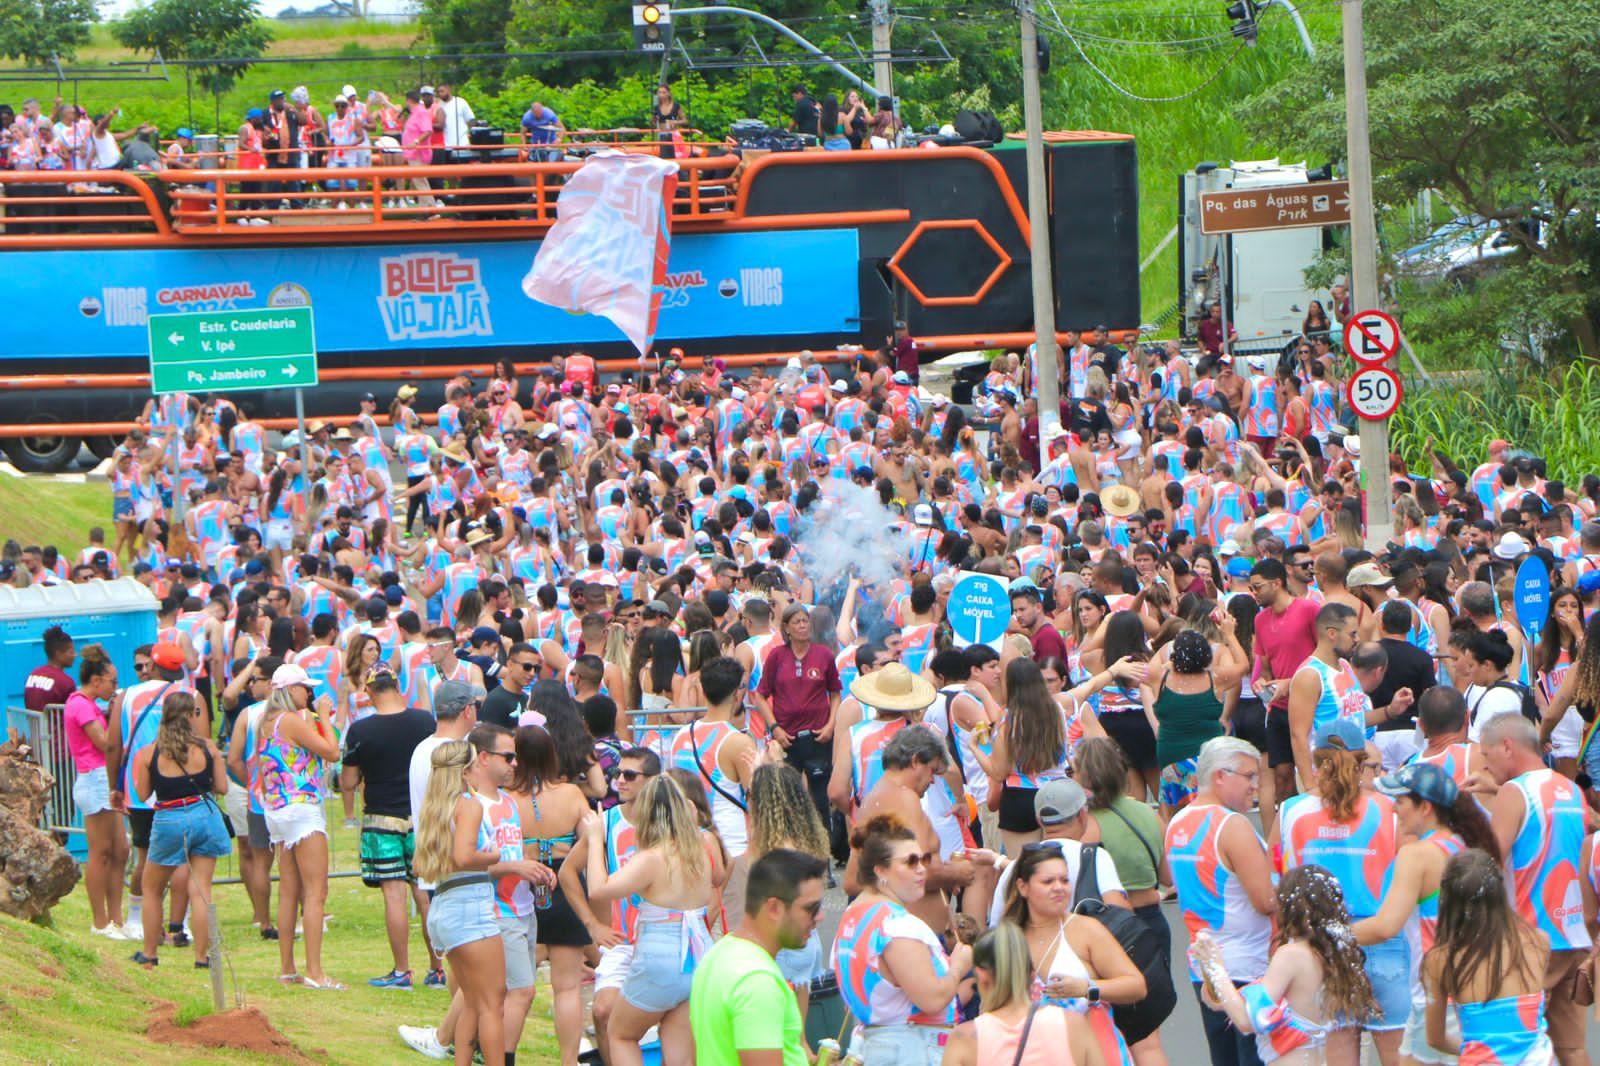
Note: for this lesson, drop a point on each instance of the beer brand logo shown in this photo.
(428, 295)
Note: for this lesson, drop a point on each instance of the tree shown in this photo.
(1497, 106)
(227, 34)
(36, 30)
(465, 27)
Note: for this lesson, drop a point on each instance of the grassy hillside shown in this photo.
(1117, 35)
(68, 992)
(40, 511)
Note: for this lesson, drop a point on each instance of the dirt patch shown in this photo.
(245, 1029)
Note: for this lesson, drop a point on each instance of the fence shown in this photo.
(43, 732)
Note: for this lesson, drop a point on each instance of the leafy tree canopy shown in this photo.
(230, 32)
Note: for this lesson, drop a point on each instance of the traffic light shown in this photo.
(1243, 13)
(652, 27)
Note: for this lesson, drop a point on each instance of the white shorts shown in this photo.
(279, 535)
(296, 822)
(1396, 746)
(1567, 737)
(612, 968)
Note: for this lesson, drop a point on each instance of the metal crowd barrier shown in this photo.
(44, 733)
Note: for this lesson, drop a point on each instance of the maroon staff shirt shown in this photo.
(799, 691)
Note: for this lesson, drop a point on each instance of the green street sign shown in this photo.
(233, 351)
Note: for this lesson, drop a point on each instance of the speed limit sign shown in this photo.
(1373, 393)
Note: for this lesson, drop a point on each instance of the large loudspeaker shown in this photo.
(1094, 231)
(979, 126)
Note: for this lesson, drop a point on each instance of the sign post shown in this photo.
(979, 609)
(236, 351)
(1373, 338)
(1320, 203)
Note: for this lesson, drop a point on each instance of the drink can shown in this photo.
(827, 1052)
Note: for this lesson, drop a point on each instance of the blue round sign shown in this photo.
(1532, 597)
(979, 609)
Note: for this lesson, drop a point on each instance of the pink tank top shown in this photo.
(1047, 1040)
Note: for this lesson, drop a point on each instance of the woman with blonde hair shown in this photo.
(783, 816)
(294, 741)
(181, 772)
(673, 878)
(1014, 1029)
(469, 842)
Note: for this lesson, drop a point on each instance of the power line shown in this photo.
(1061, 26)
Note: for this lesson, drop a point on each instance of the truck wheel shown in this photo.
(42, 455)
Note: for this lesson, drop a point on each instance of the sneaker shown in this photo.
(141, 959)
(435, 979)
(400, 979)
(269, 933)
(351, 823)
(424, 1040)
(111, 931)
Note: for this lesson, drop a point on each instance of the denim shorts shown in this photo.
(903, 1045)
(798, 964)
(91, 791)
(656, 981)
(180, 832)
(460, 916)
(1389, 971)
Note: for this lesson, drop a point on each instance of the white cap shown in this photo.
(839, 386)
(1228, 547)
(1352, 444)
(793, 363)
(349, 91)
(739, 393)
(922, 514)
(289, 675)
(426, 90)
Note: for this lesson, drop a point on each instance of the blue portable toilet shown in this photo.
(119, 615)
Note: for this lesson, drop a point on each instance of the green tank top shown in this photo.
(1187, 720)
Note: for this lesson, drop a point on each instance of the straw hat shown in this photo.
(893, 688)
(1119, 500)
(478, 536)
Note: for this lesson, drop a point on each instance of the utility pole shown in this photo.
(1364, 266)
(882, 69)
(1047, 380)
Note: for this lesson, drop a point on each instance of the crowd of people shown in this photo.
(613, 675)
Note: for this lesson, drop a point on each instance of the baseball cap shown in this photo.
(1058, 800)
(1228, 547)
(1499, 444)
(922, 515)
(1023, 585)
(256, 112)
(902, 378)
(276, 94)
(450, 698)
(658, 607)
(839, 386)
(289, 675)
(1589, 583)
(1238, 566)
(426, 90)
(1423, 780)
(394, 595)
(483, 635)
(168, 656)
(1341, 734)
(185, 131)
(349, 90)
(406, 392)
(1366, 575)
(367, 397)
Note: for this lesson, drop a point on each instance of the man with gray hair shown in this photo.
(1224, 879)
(912, 759)
(1539, 821)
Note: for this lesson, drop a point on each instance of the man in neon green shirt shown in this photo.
(742, 1011)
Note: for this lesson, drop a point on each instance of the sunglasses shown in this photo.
(508, 756)
(631, 775)
(918, 862)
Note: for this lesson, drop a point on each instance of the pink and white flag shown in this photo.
(607, 253)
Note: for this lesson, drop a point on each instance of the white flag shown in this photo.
(607, 253)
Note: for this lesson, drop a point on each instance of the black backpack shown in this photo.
(1143, 945)
(1530, 709)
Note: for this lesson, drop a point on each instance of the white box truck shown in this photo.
(1266, 292)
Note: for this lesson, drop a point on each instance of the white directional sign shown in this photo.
(1373, 393)
(1371, 338)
